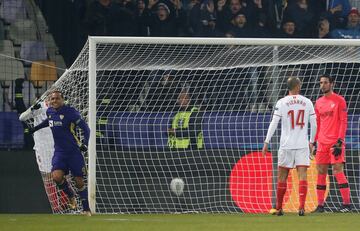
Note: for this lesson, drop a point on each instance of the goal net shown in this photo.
(178, 124)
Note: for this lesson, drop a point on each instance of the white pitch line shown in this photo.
(129, 219)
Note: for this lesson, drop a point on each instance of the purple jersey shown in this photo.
(63, 124)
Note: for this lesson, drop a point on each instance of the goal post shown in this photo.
(129, 88)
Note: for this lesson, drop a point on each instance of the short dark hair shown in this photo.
(57, 91)
(331, 80)
(293, 82)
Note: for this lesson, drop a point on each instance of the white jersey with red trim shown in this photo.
(43, 139)
(295, 113)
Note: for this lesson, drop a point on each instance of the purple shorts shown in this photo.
(73, 162)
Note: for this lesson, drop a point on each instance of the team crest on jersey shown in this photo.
(61, 117)
(332, 105)
(49, 116)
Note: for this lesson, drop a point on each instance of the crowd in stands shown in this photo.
(223, 18)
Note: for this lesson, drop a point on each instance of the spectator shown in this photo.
(288, 29)
(323, 29)
(337, 12)
(303, 17)
(260, 28)
(163, 22)
(240, 27)
(142, 29)
(208, 19)
(107, 18)
(193, 17)
(227, 12)
(352, 30)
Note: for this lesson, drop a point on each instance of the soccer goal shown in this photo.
(178, 123)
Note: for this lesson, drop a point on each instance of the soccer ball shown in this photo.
(177, 186)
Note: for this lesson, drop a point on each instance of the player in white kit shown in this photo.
(295, 112)
(44, 151)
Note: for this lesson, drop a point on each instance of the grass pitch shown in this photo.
(183, 222)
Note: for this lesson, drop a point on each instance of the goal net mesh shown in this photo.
(201, 113)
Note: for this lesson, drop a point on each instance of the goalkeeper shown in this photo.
(331, 114)
(63, 120)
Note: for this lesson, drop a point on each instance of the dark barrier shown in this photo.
(222, 130)
(139, 182)
(11, 130)
(21, 188)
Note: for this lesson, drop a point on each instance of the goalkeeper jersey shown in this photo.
(331, 118)
(295, 113)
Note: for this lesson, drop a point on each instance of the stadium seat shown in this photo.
(22, 30)
(10, 69)
(33, 51)
(13, 10)
(42, 71)
(7, 48)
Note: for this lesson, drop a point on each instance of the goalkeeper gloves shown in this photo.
(337, 148)
(83, 148)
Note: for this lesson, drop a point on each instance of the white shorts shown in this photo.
(291, 158)
(43, 159)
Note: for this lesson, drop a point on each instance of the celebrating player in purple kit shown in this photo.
(63, 120)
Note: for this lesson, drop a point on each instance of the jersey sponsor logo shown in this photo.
(332, 105)
(327, 113)
(61, 117)
(53, 123)
(57, 123)
(276, 108)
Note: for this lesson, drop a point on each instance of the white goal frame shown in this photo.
(94, 40)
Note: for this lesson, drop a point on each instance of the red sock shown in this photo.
(302, 193)
(344, 187)
(321, 188)
(281, 190)
(52, 195)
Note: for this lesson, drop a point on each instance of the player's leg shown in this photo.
(78, 170)
(302, 162)
(281, 189)
(52, 192)
(303, 187)
(285, 163)
(323, 160)
(59, 170)
(338, 171)
(83, 193)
